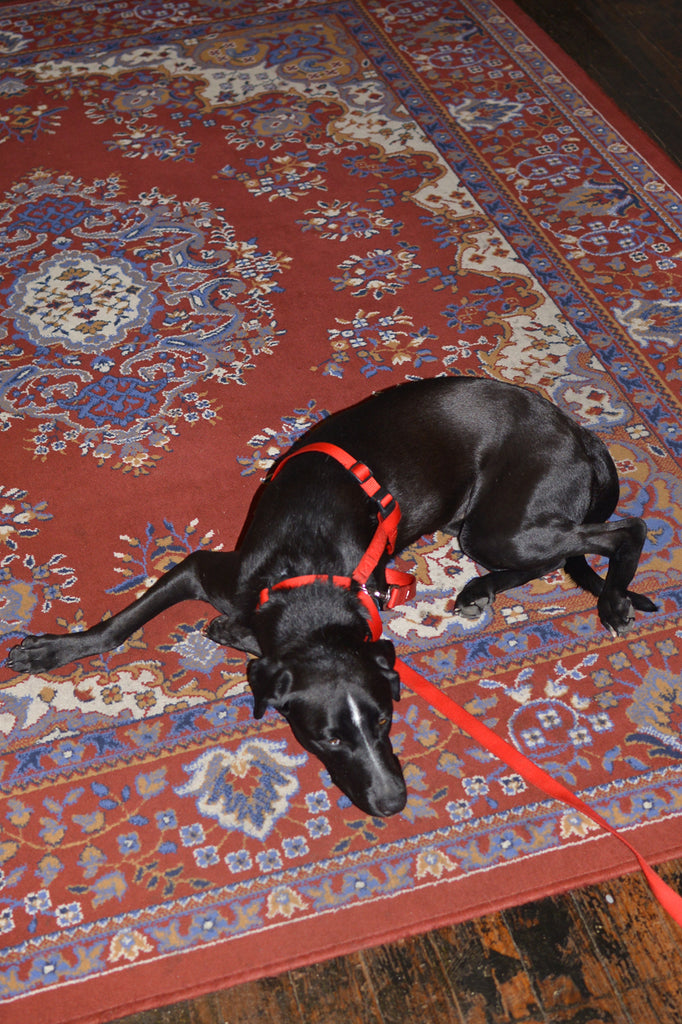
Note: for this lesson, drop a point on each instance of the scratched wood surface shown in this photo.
(600, 955)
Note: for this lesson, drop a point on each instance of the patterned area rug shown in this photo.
(220, 222)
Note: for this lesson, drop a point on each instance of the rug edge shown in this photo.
(648, 148)
(85, 997)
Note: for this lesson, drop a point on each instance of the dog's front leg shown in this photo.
(202, 576)
(230, 631)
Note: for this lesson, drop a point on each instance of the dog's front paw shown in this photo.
(226, 631)
(472, 609)
(473, 599)
(40, 653)
(616, 613)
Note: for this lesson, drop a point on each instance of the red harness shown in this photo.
(402, 587)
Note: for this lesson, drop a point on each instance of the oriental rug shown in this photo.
(219, 222)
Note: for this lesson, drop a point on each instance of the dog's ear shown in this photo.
(383, 653)
(270, 682)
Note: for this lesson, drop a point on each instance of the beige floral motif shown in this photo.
(17, 517)
(434, 862)
(284, 901)
(573, 823)
(128, 945)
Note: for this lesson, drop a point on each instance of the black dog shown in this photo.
(525, 488)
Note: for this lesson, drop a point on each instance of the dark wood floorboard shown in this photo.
(632, 49)
(601, 955)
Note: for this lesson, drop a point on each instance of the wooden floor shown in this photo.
(603, 954)
(632, 49)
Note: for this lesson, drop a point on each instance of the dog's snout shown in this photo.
(390, 802)
(388, 792)
(377, 787)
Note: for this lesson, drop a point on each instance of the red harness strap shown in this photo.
(388, 511)
(345, 582)
(402, 588)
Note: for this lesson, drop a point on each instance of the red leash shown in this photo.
(402, 588)
(666, 896)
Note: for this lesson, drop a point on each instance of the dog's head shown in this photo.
(338, 700)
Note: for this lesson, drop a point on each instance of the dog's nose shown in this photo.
(389, 810)
(390, 800)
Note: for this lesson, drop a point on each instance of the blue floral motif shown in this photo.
(206, 856)
(459, 810)
(296, 846)
(317, 801)
(129, 843)
(269, 781)
(118, 338)
(208, 926)
(69, 914)
(506, 843)
(192, 835)
(238, 861)
(318, 827)
(68, 752)
(37, 902)
(221, 714)
(360, 885)
(47, 969)
(166, 820)
(269, 860)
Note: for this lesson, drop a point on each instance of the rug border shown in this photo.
(605, 105)
(81, 1002)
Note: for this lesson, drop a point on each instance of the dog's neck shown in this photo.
(302, 617)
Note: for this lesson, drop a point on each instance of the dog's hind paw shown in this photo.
(616, 613)
(641, 602)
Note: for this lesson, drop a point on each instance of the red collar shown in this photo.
(401, 585)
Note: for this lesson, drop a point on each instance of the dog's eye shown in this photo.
(383, 720)
(334, 741)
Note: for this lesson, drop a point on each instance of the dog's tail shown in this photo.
(582, 574)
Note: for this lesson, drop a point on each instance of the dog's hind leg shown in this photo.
(621, 542)
(541, 548)
(585, 576)
(204, 576)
